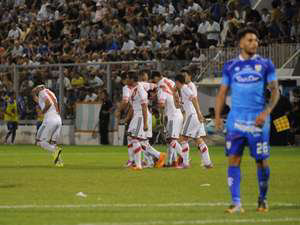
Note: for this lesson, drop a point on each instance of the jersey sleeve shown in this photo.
(225, 76)
(189, 93)
(270, 72)
(143, 95)
(125, 94)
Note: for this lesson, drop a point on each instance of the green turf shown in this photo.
(27, 177)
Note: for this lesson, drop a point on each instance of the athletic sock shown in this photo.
(185, 152)
(45, 145)
(204, 154)
(137, 150)
(152, 151)
(170, 154)
(177, 147)
(234, 180)
(263, 175)
(130, 149)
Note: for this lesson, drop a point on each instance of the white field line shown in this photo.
(138, 205)
(219, 221)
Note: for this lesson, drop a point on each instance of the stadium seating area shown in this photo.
(35, 32)
(61, 31)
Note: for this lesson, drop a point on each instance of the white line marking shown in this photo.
(219, 221)
(137, 205)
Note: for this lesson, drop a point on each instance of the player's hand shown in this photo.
(261, 118)
(145, 127)
(219, 124)
(202, 119)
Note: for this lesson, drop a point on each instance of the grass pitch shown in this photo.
(34, 192)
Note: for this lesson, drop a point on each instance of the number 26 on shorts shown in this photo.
(262, 148)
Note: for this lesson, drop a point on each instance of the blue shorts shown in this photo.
(257, 140)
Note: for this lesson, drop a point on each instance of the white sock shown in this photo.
(148, 159)
(204, 154)
(185, 152)
(170, 155)
(177, 147)
(45, 145)
(149, 149)
(137, 149)
(130, 149)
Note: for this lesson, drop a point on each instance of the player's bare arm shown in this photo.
(145, 116)
(220, 101)
(273, 87)
(197, 108)
(129, 115)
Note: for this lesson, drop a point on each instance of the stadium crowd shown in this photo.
(35, 32)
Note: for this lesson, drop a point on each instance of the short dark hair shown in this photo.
(132, 75)
(155, 73)
(124, 75)
(180, 78)
(247, 30)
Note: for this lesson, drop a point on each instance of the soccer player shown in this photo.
(150, 153)
(203, 149)
(165, 95)
(193, 126)
(247, 77)
(50, 129)
(126, 93)
(138, 126)
(11, 117)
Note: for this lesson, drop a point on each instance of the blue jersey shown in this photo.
(247, 81)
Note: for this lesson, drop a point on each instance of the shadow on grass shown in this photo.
(9, 185)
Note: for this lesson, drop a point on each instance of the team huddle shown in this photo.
(246, 77)
(173, 98)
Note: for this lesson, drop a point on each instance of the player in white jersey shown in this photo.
(138, 126)
(193, 126)
(50, 129)
(166, 102)
(203, 149)
(126, 93)
(151, 155)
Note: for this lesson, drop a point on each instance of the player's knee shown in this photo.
(234, 160)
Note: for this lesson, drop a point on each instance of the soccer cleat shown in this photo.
(56, 155)
(209, 166)
(136, 168)
(234, 209)
(262, 206)
(129, 163)
(182, 166)
(161, 161)
(59, 164)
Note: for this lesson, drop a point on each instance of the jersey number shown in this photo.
(262, 148)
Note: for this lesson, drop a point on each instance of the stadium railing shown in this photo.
(21, 78)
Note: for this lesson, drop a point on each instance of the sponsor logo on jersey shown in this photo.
(247, 79)
(258, 67)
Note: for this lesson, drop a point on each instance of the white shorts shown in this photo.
(149, 131)
(136, 127)
(49, 130)
(174, 125)
(192, 127)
